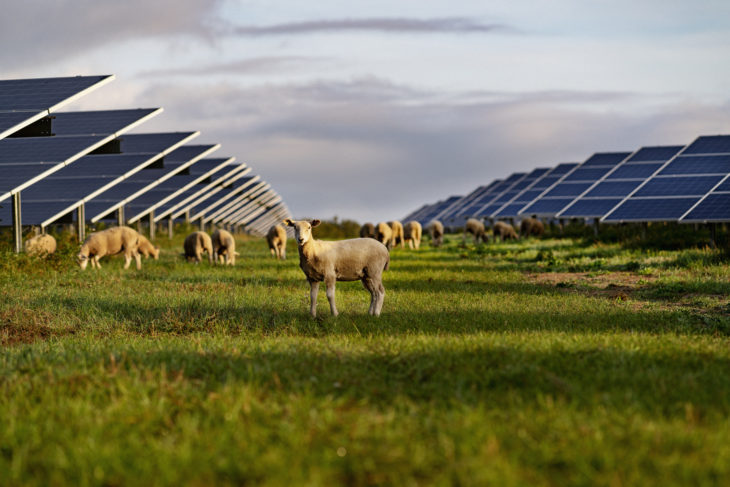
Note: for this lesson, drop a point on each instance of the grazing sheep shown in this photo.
(505, 231)
(40, 245)
(224, 247)
(436, 228)
(110, 242)
(367, 230)
(346, 260)
(195, 244)
(397, 237)
(531, 226)
(146, 248)
(476, 228)
(412, 233)
(277, 241)
(384, 234)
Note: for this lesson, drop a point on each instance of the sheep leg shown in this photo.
(138, 258)
(313, 289)
(282, 253)
(373, 289)
(330, 283)
(127, 260)
(381, 298)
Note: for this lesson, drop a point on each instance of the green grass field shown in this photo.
(546, 362)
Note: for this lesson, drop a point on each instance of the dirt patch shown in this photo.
(22, 325)
(611, 285)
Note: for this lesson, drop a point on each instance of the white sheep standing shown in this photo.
(224, 247)
(384, 234)
(276, 238)
(412, 232)
(397, 237)
(146, 248)
(40, 245)
(110, 242)
(436, 228)
(476, 228)
(195, 244)
(355, 259)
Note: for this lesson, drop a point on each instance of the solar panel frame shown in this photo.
(264, 207)
(252, 208)
(231, 193)
(234, 204)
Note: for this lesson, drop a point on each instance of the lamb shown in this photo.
(355, 259)
(110, 242)
(476, 228)
(224, 247)
(412, 234)
(384, 234)
(505, 231)
(195, 244)
(531, 226)
(146, 248)
(397, 237)
(40, 245)
(276, 239)
(436, 229)
(367, 230)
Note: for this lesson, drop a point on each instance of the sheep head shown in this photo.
(83, 260)
(302, 229)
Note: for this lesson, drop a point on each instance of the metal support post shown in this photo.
(81, 222)
(169, 227)
(152, 225)
(120, 216)
(17, 224)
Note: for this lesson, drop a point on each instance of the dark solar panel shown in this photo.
(634, 171)
(42, 93)
(546, 206)
(152, 143)
(44, 149)
(719, 164)
(678, 186)
(567, 189)
(606, 158)
(187, 152)
(103, 122)
(586, 174)
(709, 144)
(659, 209)
(661, 153)
(591, 207)
(612, 188)
(715, 207)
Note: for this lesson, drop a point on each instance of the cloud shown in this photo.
(373, 150)
(253, 66)
(46, 32)
(384, 25)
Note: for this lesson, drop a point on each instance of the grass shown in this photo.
(546, 362)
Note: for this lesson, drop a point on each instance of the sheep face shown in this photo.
(302, 229)
(83, 260)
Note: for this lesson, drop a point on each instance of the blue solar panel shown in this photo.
(715, 207)
(634, 171)
(678, 186)
(529, 195)
(589, 208)
(567, 189)
(546, 206)
(612, 188)
(563, 168)
(586, 174)
(103, 122)
(651, 209)
(710, 144)
(151, 143)
(606, 158)
(187, 153)
(724, 186)
(43, 149)
(698, 165)
(511, 210)
(661, 153)
(42, 93)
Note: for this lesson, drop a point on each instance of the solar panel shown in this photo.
(100, 122)
(231, 204)
(679, 185)
(448, 215)
(715, 205)
(217, 201)
(91, 174)
(573, 184)
(436, 209)
(178, 160)
(24, 101)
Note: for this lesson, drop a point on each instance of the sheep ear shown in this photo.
(315, 223)
(288, 223)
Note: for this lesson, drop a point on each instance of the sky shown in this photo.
(369, 109)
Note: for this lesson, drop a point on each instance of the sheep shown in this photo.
(195, 244)
(276, 239)
(110, 242)
(436, 228)
(384, 234)
(412, 233)
(367, 230)
(397, 237)
(355, 259)
(531, 226)
(146, 248)
(224, 247)
(40, 245)
(476, 228)
(505, 231)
